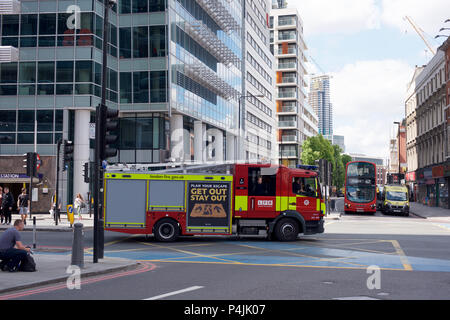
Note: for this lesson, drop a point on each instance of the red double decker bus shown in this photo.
(360, 187)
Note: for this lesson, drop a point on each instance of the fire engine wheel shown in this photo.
(166, 230)
(286, 230)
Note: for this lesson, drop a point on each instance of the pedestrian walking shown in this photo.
(23, 203)
(54, 210)
(7, 204)
(79, 205)
(1, 207)
(12, 251)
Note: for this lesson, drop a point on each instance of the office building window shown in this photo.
(8, 72)
(26, 120)
(46, 72)
(125, 87)
(28, 25)
(47, 23)
(64, 71)
(157, 41)
(125, 43)
(158, 86)
(8, 122)
(140, 42)
(140, 87)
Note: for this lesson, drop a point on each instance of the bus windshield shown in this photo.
(360, 169)
(396, 196)
(360, 194)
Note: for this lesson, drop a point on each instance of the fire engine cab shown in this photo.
(249, 199)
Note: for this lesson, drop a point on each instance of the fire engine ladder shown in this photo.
(178, 167)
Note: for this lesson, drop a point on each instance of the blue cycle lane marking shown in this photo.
(285, 255)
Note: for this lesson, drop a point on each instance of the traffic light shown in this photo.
(108, 124)
(31, 163)
(68, 153)
(86, 172)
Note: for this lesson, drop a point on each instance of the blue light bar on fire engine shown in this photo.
(307, 167)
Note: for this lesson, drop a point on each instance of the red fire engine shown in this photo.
(250, 199)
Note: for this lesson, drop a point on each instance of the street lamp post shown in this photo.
(237, 145)
(398, 135)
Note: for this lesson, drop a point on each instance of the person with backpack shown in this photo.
(23, 203)
(12, 252)
(7, 205)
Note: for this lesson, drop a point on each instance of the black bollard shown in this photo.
(34, 232)
(78, 245)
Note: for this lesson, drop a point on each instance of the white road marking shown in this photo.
(356, 298)
(174, 293)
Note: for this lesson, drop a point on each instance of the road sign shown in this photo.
(70, 213)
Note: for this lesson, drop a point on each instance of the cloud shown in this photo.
(367, 97)
(428, 15)
(337, 16)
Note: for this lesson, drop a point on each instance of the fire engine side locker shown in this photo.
(134, 202)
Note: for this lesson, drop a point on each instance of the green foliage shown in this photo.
(315, 148)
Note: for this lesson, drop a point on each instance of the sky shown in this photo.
(370, 51)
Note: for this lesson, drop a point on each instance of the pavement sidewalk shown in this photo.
(45, 222)
(53, 268)
(428, 212)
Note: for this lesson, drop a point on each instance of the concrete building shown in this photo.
(174, 73)
(258, 105)
(296, 119)
(411, 131)
(432, 173)
(319, 99)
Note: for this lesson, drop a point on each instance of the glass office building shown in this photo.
(174, 73)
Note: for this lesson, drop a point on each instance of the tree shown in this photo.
(339, 168)
(315, 148)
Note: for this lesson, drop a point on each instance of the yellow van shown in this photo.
(395, 200)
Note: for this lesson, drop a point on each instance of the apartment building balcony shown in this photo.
(287, 21)
(286, 52)
(287, 124)
(288, 154)
(289, 139)
(9, 54)
(288, 65)
(287, 37)
(288, 80)
(287, 95)
(288, 109)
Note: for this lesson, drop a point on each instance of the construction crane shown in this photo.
(314, 61)
(420, 33)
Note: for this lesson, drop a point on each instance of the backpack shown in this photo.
(28, 264)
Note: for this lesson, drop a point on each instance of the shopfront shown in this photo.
(412, 186)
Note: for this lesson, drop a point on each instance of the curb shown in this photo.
(60, 279)
(418, 215)
(50, 228)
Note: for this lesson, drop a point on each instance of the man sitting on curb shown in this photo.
(12, 251)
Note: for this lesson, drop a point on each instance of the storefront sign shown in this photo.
(438, 171)
(411, 176)
(427, 174)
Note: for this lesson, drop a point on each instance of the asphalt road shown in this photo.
(407, 257)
